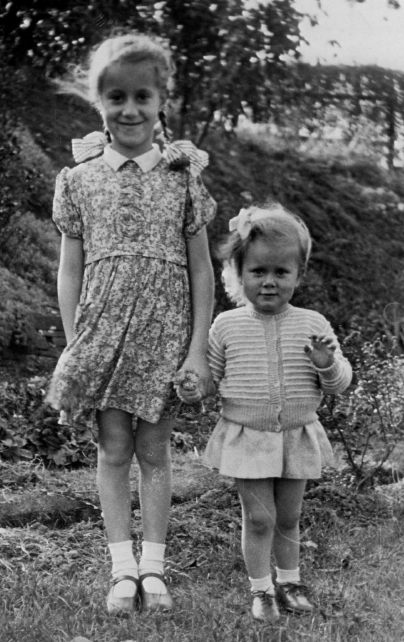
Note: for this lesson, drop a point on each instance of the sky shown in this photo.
(368, 33)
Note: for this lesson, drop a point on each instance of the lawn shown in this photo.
(55, 564)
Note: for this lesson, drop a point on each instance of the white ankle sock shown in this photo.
(263, 584)
(123, 563)
(152, 561)
(284, 576)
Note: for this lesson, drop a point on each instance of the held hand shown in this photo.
(321, 351)
(193, 381)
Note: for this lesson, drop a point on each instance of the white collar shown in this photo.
(146, 161)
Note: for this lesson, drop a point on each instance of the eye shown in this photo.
(282, 272)
(258, 271)
(143, 96)
(115, 97)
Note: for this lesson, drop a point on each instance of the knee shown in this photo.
(153, 455)
(259, 520)
(115, 454)
(287, 521)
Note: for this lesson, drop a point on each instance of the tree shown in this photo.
(225, 52)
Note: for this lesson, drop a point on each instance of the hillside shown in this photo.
(353, 209)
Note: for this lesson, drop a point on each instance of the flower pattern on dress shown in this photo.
(133, 322)
(174, 208)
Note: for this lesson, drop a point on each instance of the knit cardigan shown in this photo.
(266, 380)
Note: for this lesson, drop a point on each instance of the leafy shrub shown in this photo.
(29, 428)
(19, 299)
(30, 250)
(369, 420)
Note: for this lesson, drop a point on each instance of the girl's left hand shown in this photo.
(205, 386)
(321, 351)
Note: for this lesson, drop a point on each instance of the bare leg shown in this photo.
(153, 452)
(152, 449)
(288, 500)
(259, 517)
(115, 452)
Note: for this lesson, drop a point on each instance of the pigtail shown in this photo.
(164, 127)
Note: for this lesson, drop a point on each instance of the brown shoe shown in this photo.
(264, 607)
(292, 597)
(122, 605)
(155, 601)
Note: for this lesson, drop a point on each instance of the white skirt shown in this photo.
(298, 453)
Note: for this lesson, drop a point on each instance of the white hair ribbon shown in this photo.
(242, 223)
(88, 147)
(198, 159)
(93, 144)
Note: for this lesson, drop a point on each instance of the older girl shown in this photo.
(135, 289)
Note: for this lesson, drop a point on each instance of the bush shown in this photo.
(369, 420)
(29, 428)
(30, 250)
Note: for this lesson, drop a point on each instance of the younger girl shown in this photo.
(272, 361)
(135, 289)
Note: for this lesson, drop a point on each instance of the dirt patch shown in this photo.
(60, 499)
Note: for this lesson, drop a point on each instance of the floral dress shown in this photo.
(133, 322)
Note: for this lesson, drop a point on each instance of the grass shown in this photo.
(55, 579)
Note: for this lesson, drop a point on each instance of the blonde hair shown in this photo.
(276, 224)
(85, 81)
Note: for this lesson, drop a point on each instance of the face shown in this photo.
(270, 275)
(129, 104)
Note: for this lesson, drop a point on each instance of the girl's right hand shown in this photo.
(191, 388)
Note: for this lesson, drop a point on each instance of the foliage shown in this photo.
(30, 250)
(226, 56)
(29, 428)
(225, 53)
(19, 299)
(10, 170)
(369, 421)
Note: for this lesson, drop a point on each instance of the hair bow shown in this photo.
(242, 223)
(198, 159)
(89, 147)
(93, 144)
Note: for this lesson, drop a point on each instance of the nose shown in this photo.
(269, 280)
(130, 108)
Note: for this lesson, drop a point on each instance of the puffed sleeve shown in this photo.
(201, 208)
(66, 213)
